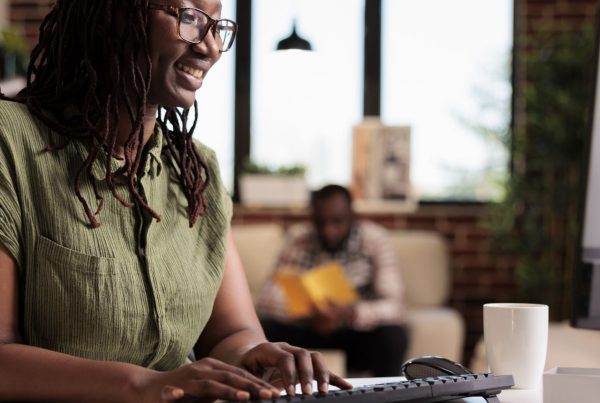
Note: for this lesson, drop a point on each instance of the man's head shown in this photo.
(332, 215)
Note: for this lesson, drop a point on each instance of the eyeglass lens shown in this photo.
(194, 25)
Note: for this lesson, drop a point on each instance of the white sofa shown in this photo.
(423, 261)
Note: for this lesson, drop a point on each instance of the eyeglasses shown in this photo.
(193, 24)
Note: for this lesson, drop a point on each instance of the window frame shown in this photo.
(371, 79)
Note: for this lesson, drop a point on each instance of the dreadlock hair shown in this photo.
(86, 54)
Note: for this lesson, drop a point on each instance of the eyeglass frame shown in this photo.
(212, 23)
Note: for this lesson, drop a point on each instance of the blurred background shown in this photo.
(495, 94)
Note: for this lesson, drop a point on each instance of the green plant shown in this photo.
(491, 124)
(12, 40)
(251, 167)
(13, 52)
(536, 223)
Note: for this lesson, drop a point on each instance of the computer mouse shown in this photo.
(426, 366)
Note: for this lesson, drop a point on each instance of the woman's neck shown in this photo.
(124, 130)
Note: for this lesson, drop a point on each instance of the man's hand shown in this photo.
(333, 317)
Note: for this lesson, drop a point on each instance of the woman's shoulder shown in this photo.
(216, 190)
(11, 111)
(207, 153)
(17, 124)
(209, 157)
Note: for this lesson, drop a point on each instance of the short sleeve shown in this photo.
(10, 211)
(216, 192)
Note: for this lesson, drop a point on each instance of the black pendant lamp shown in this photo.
(294, 41)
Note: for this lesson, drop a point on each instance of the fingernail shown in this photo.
(324, 387)
(173, 393)
(291, 390)
(242, 395)
(265, 393)
(307, 389)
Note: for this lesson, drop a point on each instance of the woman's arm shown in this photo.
(234, 335)
(233, 328)
(33, 374)
(29, 373)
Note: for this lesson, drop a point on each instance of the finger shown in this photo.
(273, 377)
(332, 304)
(325, 308)
(237, 381)
(227, 368)
(340, 382)
(286, 364)
(330, 314)
(303, 368)
(209, 388)
(171, 393)
(321, 372)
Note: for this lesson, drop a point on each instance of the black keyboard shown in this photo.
(434, 389)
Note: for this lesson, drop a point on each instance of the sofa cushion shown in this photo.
(423, 260)
(258, 246)
(435, 331)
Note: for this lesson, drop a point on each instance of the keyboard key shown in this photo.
(431, 389)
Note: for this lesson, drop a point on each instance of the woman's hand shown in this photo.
(284, 366)
(205, 380)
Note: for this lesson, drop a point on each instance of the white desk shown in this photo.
(507, 396)
(521, 396)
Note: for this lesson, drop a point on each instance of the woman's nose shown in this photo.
(208, 46)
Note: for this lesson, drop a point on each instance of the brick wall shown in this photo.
(478, 274)
(28, 15)
(530, 17)
(570, 12)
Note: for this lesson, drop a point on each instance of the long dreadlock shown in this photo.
(86, 52)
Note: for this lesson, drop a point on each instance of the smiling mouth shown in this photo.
(196, 73)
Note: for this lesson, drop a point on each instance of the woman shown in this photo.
(115, 257)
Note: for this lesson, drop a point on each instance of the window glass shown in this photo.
(304, 104)
(216, 106)
(445, 73)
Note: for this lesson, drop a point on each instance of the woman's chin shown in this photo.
(180, 103)
(183, 99)
(187, 104)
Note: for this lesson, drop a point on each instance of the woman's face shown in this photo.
(179, 67)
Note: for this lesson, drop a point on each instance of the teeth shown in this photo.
(191, 71)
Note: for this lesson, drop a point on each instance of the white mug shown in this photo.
(516, 340)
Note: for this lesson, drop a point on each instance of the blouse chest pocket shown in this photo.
(78, 303)
(50, 253)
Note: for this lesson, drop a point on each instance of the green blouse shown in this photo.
(133, 290)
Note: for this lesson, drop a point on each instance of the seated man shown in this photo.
(371, 330)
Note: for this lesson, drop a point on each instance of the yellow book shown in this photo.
(313, 288)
